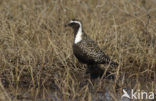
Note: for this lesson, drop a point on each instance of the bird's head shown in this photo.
(75, 24)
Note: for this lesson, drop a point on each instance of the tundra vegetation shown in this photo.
(36, 59)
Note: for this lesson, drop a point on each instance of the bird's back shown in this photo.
(88, 52)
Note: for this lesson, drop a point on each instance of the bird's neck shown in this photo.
(78, 35)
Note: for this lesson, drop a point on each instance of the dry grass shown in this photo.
(36, 49)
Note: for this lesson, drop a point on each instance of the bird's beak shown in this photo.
(66, 25)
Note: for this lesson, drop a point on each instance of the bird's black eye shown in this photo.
(72, 24)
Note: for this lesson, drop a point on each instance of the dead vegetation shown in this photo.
(36, 48)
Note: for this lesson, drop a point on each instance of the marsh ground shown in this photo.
(36, 59)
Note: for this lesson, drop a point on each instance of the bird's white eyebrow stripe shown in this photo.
(75, 22)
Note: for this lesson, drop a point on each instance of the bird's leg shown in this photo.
(95, 71)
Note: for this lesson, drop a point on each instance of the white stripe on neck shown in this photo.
(78, 36)
(79, 33)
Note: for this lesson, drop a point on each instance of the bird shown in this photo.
(85, 49)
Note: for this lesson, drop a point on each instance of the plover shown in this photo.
(85, 49)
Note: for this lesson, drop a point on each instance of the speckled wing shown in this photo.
(88, 52)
